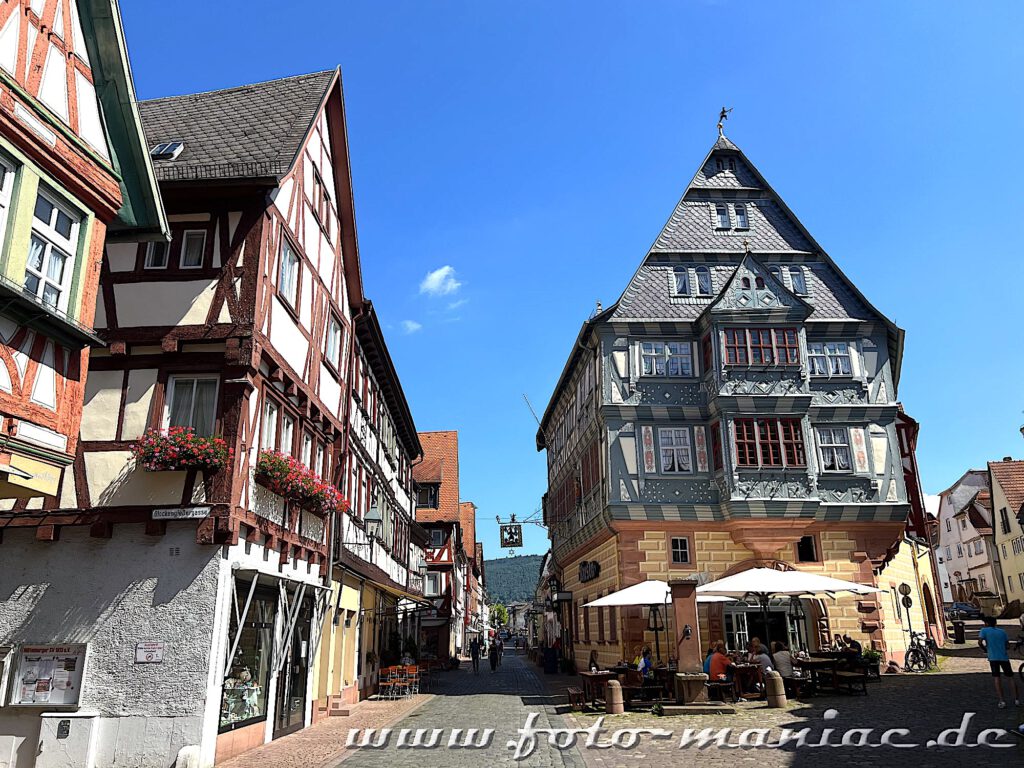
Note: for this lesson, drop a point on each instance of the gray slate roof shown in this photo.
(249, 131)
(649, 294)
(691, 228)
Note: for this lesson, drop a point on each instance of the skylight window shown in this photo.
(169, 150)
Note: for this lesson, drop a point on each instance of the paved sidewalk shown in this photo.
(502, 701)
(323, 744)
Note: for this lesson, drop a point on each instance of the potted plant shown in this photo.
(872, 660)
(180, 448)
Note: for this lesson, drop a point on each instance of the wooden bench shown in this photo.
(795, 686)
(576, 700)
(852, 679)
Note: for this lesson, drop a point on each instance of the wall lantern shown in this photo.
(374, 522)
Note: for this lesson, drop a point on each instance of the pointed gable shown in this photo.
(753, 287)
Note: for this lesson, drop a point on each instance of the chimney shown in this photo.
(1007, 458)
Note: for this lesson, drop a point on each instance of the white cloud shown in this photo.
(456, 304)
(931, 504)
(440, 282)
(411, 326)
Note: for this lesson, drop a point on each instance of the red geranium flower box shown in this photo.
(180, 448)
(290, 478)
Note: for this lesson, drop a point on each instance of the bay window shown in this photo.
(775, 443)
(50, 266)
(834, 449)
(659, 358)
(676, 453)
(829, 358)
(192, 402)
(761, 346)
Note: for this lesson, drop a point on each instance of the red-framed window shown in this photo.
(761, 350)
(761, 346)
(793, 442)
(769, 443)
(787, 349)
(746, 442)
(735, 346)
(774, 443)
(716, 445)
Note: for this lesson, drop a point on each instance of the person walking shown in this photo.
(492, 656)
(995, 641)
(501, 650)
(474, 653)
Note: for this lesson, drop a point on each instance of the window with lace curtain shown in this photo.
(192, 402)
(50, 268)
(834, 449)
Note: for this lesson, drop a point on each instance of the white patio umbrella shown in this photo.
(653, 593)
(766, 583)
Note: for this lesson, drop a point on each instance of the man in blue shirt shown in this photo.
(995, 641)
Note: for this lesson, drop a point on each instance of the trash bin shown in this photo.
(958, 633)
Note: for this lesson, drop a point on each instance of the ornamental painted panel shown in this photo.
(860, 453)
(700, 443)
(647, 439)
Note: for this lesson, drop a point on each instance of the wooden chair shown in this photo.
(412, 680)
(853, 679)
(720, 687)
(576, 700)
(386, 683)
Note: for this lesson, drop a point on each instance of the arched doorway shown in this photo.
(929, 605)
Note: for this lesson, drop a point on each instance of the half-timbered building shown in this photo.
(74, 171)
(736, 407)
(194, 537)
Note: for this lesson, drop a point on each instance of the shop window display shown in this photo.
(244, 697)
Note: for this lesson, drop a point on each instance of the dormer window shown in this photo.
(776, 273)
(719, 165)
(722, 215)
(703, 281)
(731, 163)
(681, 281)
(796, 277)
(745, 282)
(168, 150)
(759, 282)
(741, 216)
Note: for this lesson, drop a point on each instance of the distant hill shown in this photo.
(510, 579)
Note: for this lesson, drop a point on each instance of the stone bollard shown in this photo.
(613, 698)
(775, 689)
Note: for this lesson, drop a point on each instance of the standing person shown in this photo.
(994, 641)
(501, 650)
(492, 656)
(474, 652)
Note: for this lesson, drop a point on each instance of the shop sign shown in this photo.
(149, 653)
(589, 570)
(49, 675)
(45, 478)
(511, 535)
(181, 513)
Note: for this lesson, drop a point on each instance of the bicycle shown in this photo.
(921, 655)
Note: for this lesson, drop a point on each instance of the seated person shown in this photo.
(721, 665)
(761, 658)
(646, 666)
(707, 660)
(592, 664)
(782, 659)
(852, 645)
(838, 644)
(752, 647)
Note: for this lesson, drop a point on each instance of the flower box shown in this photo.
(291, 479)
(179, 448)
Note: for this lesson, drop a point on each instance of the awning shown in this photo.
(7, 469)
(765, 582)
(650, 592)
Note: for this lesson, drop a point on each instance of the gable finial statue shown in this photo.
(746, 246)
(722, 117)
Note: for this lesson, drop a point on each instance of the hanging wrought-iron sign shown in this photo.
(511, 535)
(589, 570)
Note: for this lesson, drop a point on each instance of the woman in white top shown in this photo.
(782, 659)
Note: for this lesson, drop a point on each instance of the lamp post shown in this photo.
(374, 522)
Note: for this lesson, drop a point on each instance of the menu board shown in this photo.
(48, 675)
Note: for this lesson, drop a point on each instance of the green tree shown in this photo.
(499, 615)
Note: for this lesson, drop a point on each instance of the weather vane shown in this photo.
(722, 117)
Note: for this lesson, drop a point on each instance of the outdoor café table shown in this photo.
(818, 665)
(747, 676)
(594, 681)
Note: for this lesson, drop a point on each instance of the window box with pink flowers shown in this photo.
(180, 448)
(293, 480)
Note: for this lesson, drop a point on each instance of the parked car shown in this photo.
(963, 611)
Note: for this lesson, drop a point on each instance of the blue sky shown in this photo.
(535, 149)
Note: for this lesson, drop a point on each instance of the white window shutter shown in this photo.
(855, 366)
